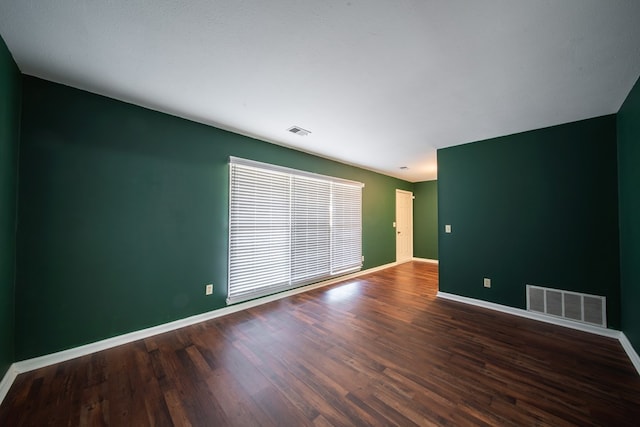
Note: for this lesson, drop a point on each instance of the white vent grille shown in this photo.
(568, 305)
(299, 131)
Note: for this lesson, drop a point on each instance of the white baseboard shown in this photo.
(631, 352)
(432, 261)
(611, 333)
(7, 380)
(72, 353)
(61, 356)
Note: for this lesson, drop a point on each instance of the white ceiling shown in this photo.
(380, 83)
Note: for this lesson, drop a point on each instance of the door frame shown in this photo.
(408, 233)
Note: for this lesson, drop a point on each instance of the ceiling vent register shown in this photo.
(299, 131)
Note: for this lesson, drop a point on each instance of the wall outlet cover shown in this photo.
(208, 289)
(487, 283)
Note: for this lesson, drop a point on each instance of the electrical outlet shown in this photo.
(487, 283)
(362, 258)
(208, 289)
(447, 228)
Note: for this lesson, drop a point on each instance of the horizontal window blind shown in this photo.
(310, 230)
(289, 228)
(346, 230)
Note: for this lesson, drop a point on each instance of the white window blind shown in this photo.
(346, 230)
(289, 228)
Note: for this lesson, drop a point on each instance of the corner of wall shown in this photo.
(628, 135)
(10, 109)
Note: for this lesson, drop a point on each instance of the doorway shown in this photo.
(404, 226)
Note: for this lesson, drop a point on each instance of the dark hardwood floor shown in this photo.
(376, 350)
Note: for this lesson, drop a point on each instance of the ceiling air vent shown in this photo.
(299, 131)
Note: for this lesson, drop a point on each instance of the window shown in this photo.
(289, 228)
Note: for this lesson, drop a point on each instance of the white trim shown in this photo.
(7, 381)
(432, 261)
(611, 333)
(631, 352)
(72, 353)
(40, 362)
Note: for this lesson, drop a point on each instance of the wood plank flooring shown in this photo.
(376, 350)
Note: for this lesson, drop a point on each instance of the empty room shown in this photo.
(409, 213)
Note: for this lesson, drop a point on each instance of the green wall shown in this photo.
(629, 188)
(537, 207)
(425, 220)
(124, 216)
(9, 143)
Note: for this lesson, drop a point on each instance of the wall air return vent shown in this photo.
(568, 305)
(298, 131)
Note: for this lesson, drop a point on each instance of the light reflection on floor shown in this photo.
(344, 292)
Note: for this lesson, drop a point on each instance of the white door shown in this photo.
(404, 225)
